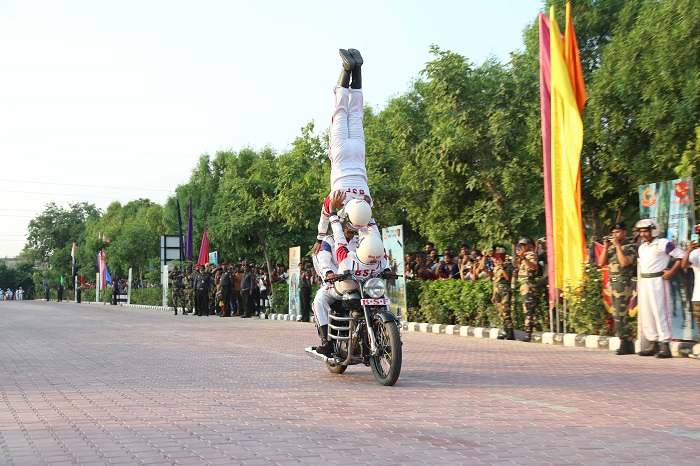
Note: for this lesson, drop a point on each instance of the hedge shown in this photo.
(469, 303)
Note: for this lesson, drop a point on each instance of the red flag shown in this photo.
(573, 61)
(204, 249)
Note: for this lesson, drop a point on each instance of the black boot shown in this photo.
(665, 351)
(348, 65)
(326, 345)
(626, 347)
(175, 311)
(503, 335)
(528, 336)
(357, 70)
(650, 350)
(510, 334)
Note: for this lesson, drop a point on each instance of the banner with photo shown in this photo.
(294, 273)
(396, 289)
(671, 205)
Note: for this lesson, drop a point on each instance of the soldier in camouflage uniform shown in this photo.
(621, 257)
(527, 277)
(502, 271)
(189, 294)
(178, 289)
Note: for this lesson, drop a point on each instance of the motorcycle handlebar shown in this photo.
(387, 275)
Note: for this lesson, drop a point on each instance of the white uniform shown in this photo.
(654, 293)
(338, 255)
(694, 260)
(324, 262)
(347, 150)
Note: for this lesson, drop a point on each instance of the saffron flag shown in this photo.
(204, 249)
(566, 133)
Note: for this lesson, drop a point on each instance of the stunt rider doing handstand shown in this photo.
(347, 148)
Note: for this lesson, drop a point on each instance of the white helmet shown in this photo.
(650, 224)
(370, 249)
(357, 212)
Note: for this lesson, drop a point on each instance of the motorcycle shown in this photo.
(362, 328)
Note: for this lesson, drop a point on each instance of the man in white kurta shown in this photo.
(658, 260)
(692, 259)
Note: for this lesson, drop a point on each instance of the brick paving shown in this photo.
(83, 384)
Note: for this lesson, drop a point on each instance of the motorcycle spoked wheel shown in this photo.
(337, 368)
(386, 366)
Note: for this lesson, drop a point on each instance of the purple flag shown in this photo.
(189, 233)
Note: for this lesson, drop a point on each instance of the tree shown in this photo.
(644, 104)
(55, 228)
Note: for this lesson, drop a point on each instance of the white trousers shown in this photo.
(655, 308)
(325, 297)
(347, 141)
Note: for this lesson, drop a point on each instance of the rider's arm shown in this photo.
(324, 220)
(325, 259)
(341, 244)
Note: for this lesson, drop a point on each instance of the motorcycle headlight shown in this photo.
(374, 287)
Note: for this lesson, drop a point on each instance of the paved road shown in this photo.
(85, 384)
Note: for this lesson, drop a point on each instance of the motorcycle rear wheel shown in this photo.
(386, 366)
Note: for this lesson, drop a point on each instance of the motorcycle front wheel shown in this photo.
(386, 365)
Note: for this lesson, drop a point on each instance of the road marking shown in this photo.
(686, 433)
(105, 320)
(536, 403)
(281, 354)
(417, 379)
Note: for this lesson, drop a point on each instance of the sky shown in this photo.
(114, 101)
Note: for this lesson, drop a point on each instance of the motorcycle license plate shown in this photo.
(375, 302)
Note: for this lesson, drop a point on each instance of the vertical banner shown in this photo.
(294, 272)
(671, 205)
(396, 289)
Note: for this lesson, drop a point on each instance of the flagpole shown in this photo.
(179, 226)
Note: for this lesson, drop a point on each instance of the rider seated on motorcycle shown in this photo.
(367, 259)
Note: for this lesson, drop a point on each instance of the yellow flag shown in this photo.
(567, 140)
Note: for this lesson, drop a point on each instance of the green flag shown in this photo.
(63, 282)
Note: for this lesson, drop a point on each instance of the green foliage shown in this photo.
(475, 307)
(147, 296)
(586, 308)
(20, 276)
(456, 158)
(458, 302)
(414, 312)
(279, 302)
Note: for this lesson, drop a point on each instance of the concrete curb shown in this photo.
(681, 349)
(573, 340)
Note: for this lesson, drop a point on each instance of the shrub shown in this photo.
(279, 302)
(585, 305)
